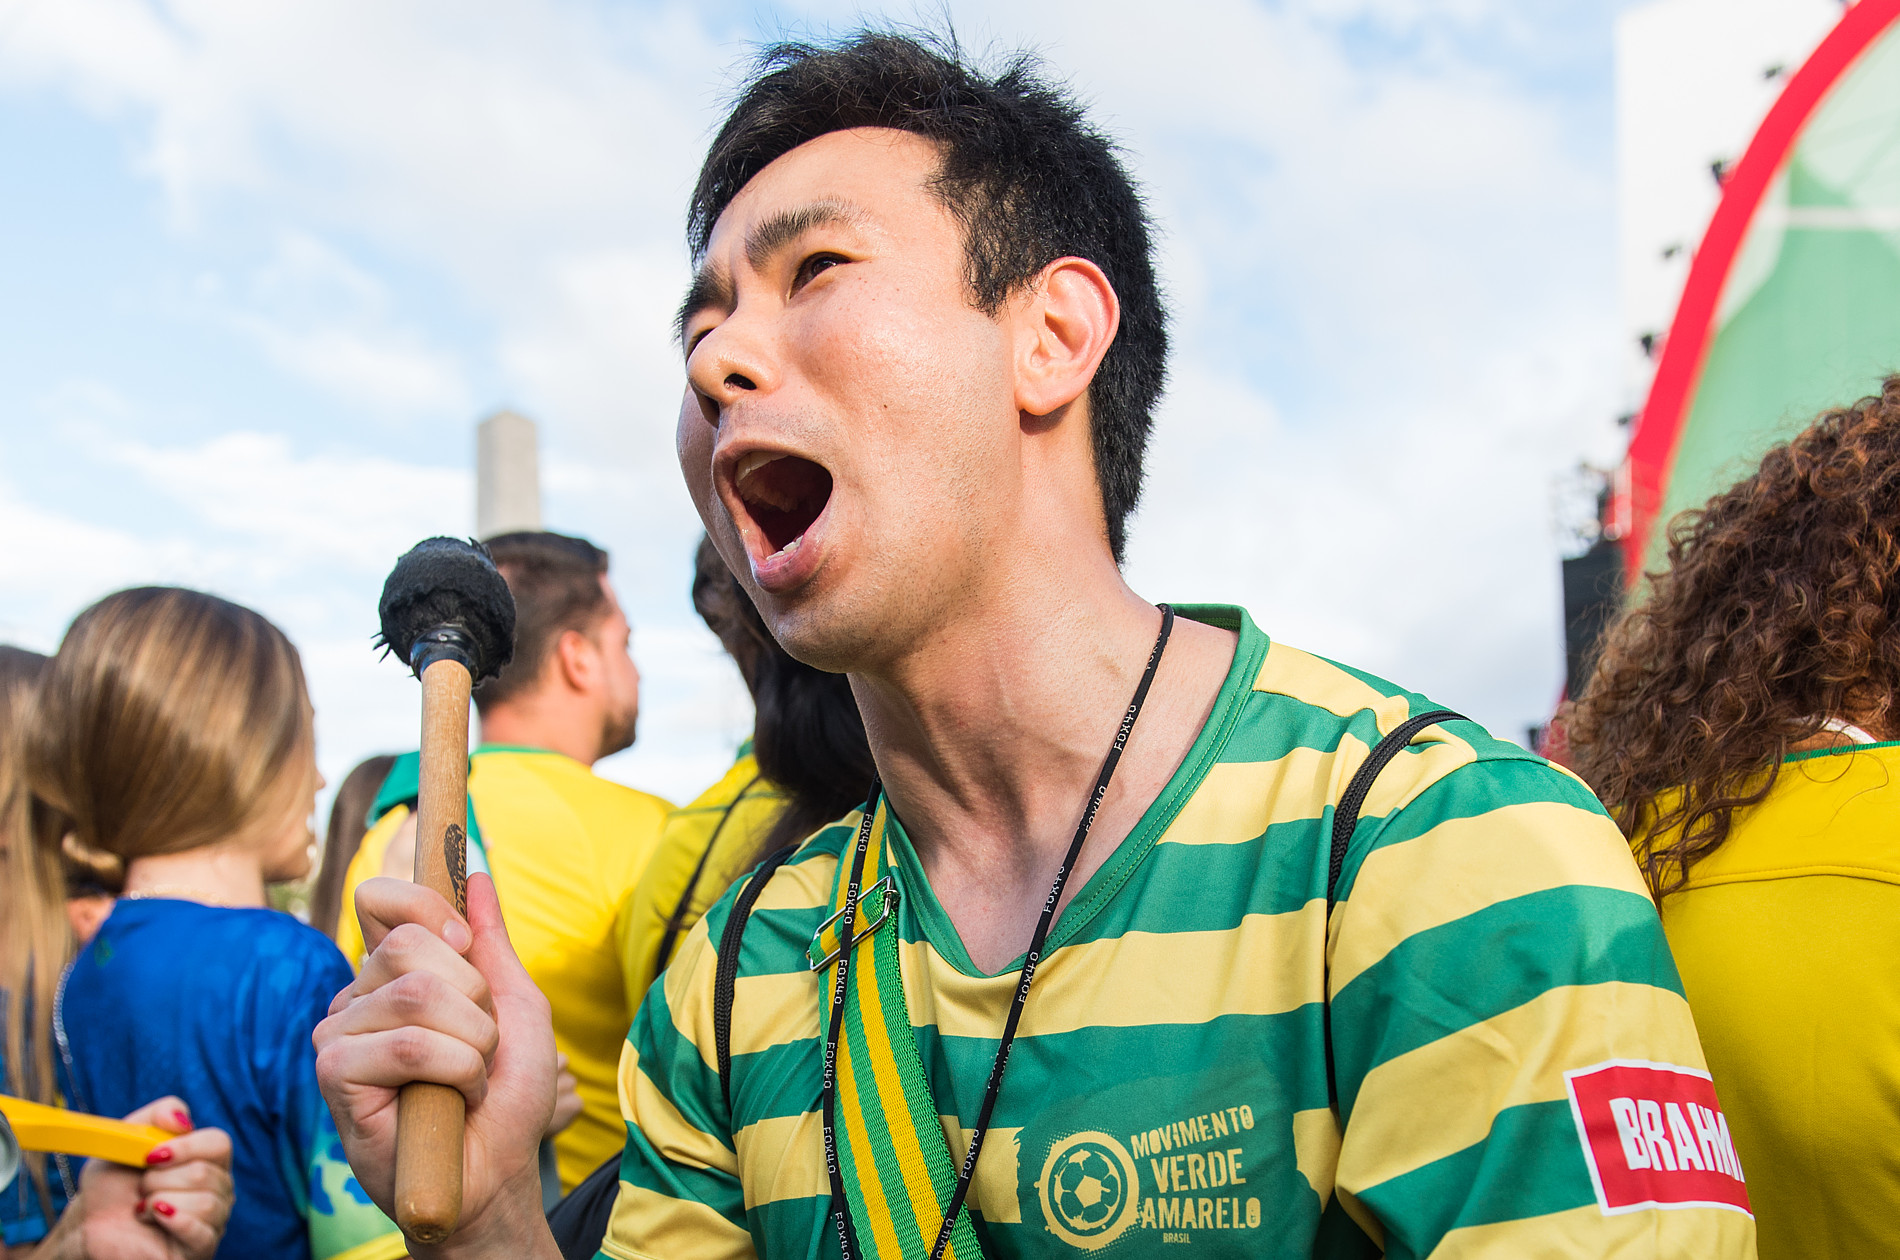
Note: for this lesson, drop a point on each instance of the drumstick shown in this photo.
(448, 613)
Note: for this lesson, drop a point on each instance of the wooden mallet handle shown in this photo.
(447, 613)
(429, 1116)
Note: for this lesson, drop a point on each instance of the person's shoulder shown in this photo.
(742, 778)
(587, 789)
(1830, 811)
(688, 827)
(280, 937)
(804, 880)
(533, 791)
(1325, 704)
(367, 863)
(1458, 827)
(1309, 719)
(287, 968)
(647, 806)
(786, 909)
(399, 787)
(772, 963)
(732, 825)
(263, 931)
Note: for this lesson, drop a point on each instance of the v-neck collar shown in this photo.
(920, 900)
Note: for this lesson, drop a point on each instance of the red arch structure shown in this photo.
(1652, 446)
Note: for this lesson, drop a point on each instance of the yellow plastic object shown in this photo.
(42, 1128)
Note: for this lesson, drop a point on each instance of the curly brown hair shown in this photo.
(1780, 609)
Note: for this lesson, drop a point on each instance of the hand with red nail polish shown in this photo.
(116, 1214)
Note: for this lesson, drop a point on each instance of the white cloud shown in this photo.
(358, 365)
(598, 350)
(61, 564)
(1389, 273)
(288, 512)
(326, 319)
(451, 130)
(1405, 540)
(1391, 329)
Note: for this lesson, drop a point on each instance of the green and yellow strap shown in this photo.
(898, 1174)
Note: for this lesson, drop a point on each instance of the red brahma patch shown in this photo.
(1654, 1137)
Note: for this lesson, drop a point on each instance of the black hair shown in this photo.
(807, 735)
(1028, 177)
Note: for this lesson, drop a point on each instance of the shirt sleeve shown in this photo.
(1517, 1067)
(343, 1224)
(680, 1197)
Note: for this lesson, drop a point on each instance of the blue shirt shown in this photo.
(216, 1005)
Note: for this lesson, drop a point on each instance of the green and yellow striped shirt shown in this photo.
(1168, 1083)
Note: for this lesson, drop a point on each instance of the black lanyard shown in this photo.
(840, 1210)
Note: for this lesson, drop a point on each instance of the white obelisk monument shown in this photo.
(507, 475)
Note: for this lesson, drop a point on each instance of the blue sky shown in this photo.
(264, 266)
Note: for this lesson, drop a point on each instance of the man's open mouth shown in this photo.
(783, 494)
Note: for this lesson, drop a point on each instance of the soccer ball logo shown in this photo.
(1088, 1190)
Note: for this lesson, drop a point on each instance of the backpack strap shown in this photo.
(1345, 820)
(675, 922)
(728, 972)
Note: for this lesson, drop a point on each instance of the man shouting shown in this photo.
(1089, 971)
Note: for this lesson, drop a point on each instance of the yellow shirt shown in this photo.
(566, 848)
(708, 844)
(1788, 940)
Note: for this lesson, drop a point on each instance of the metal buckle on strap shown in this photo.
(877, 901)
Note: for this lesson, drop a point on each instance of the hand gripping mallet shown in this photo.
(448, 613)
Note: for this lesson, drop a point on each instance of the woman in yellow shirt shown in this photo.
(1743, 726)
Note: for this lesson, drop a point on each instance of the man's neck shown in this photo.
(990, 734)
(531, 722)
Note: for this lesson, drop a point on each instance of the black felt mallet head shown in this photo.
(445, 598)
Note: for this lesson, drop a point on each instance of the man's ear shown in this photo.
(1065, 323)
(578, 660)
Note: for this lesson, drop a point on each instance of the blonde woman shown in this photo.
(58, 1208)
(175, 754)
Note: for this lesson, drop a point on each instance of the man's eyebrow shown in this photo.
(712, 285)
(774, 233)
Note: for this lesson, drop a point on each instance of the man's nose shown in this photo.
(729, 363)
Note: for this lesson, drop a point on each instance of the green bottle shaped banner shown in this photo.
(1792, 304)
